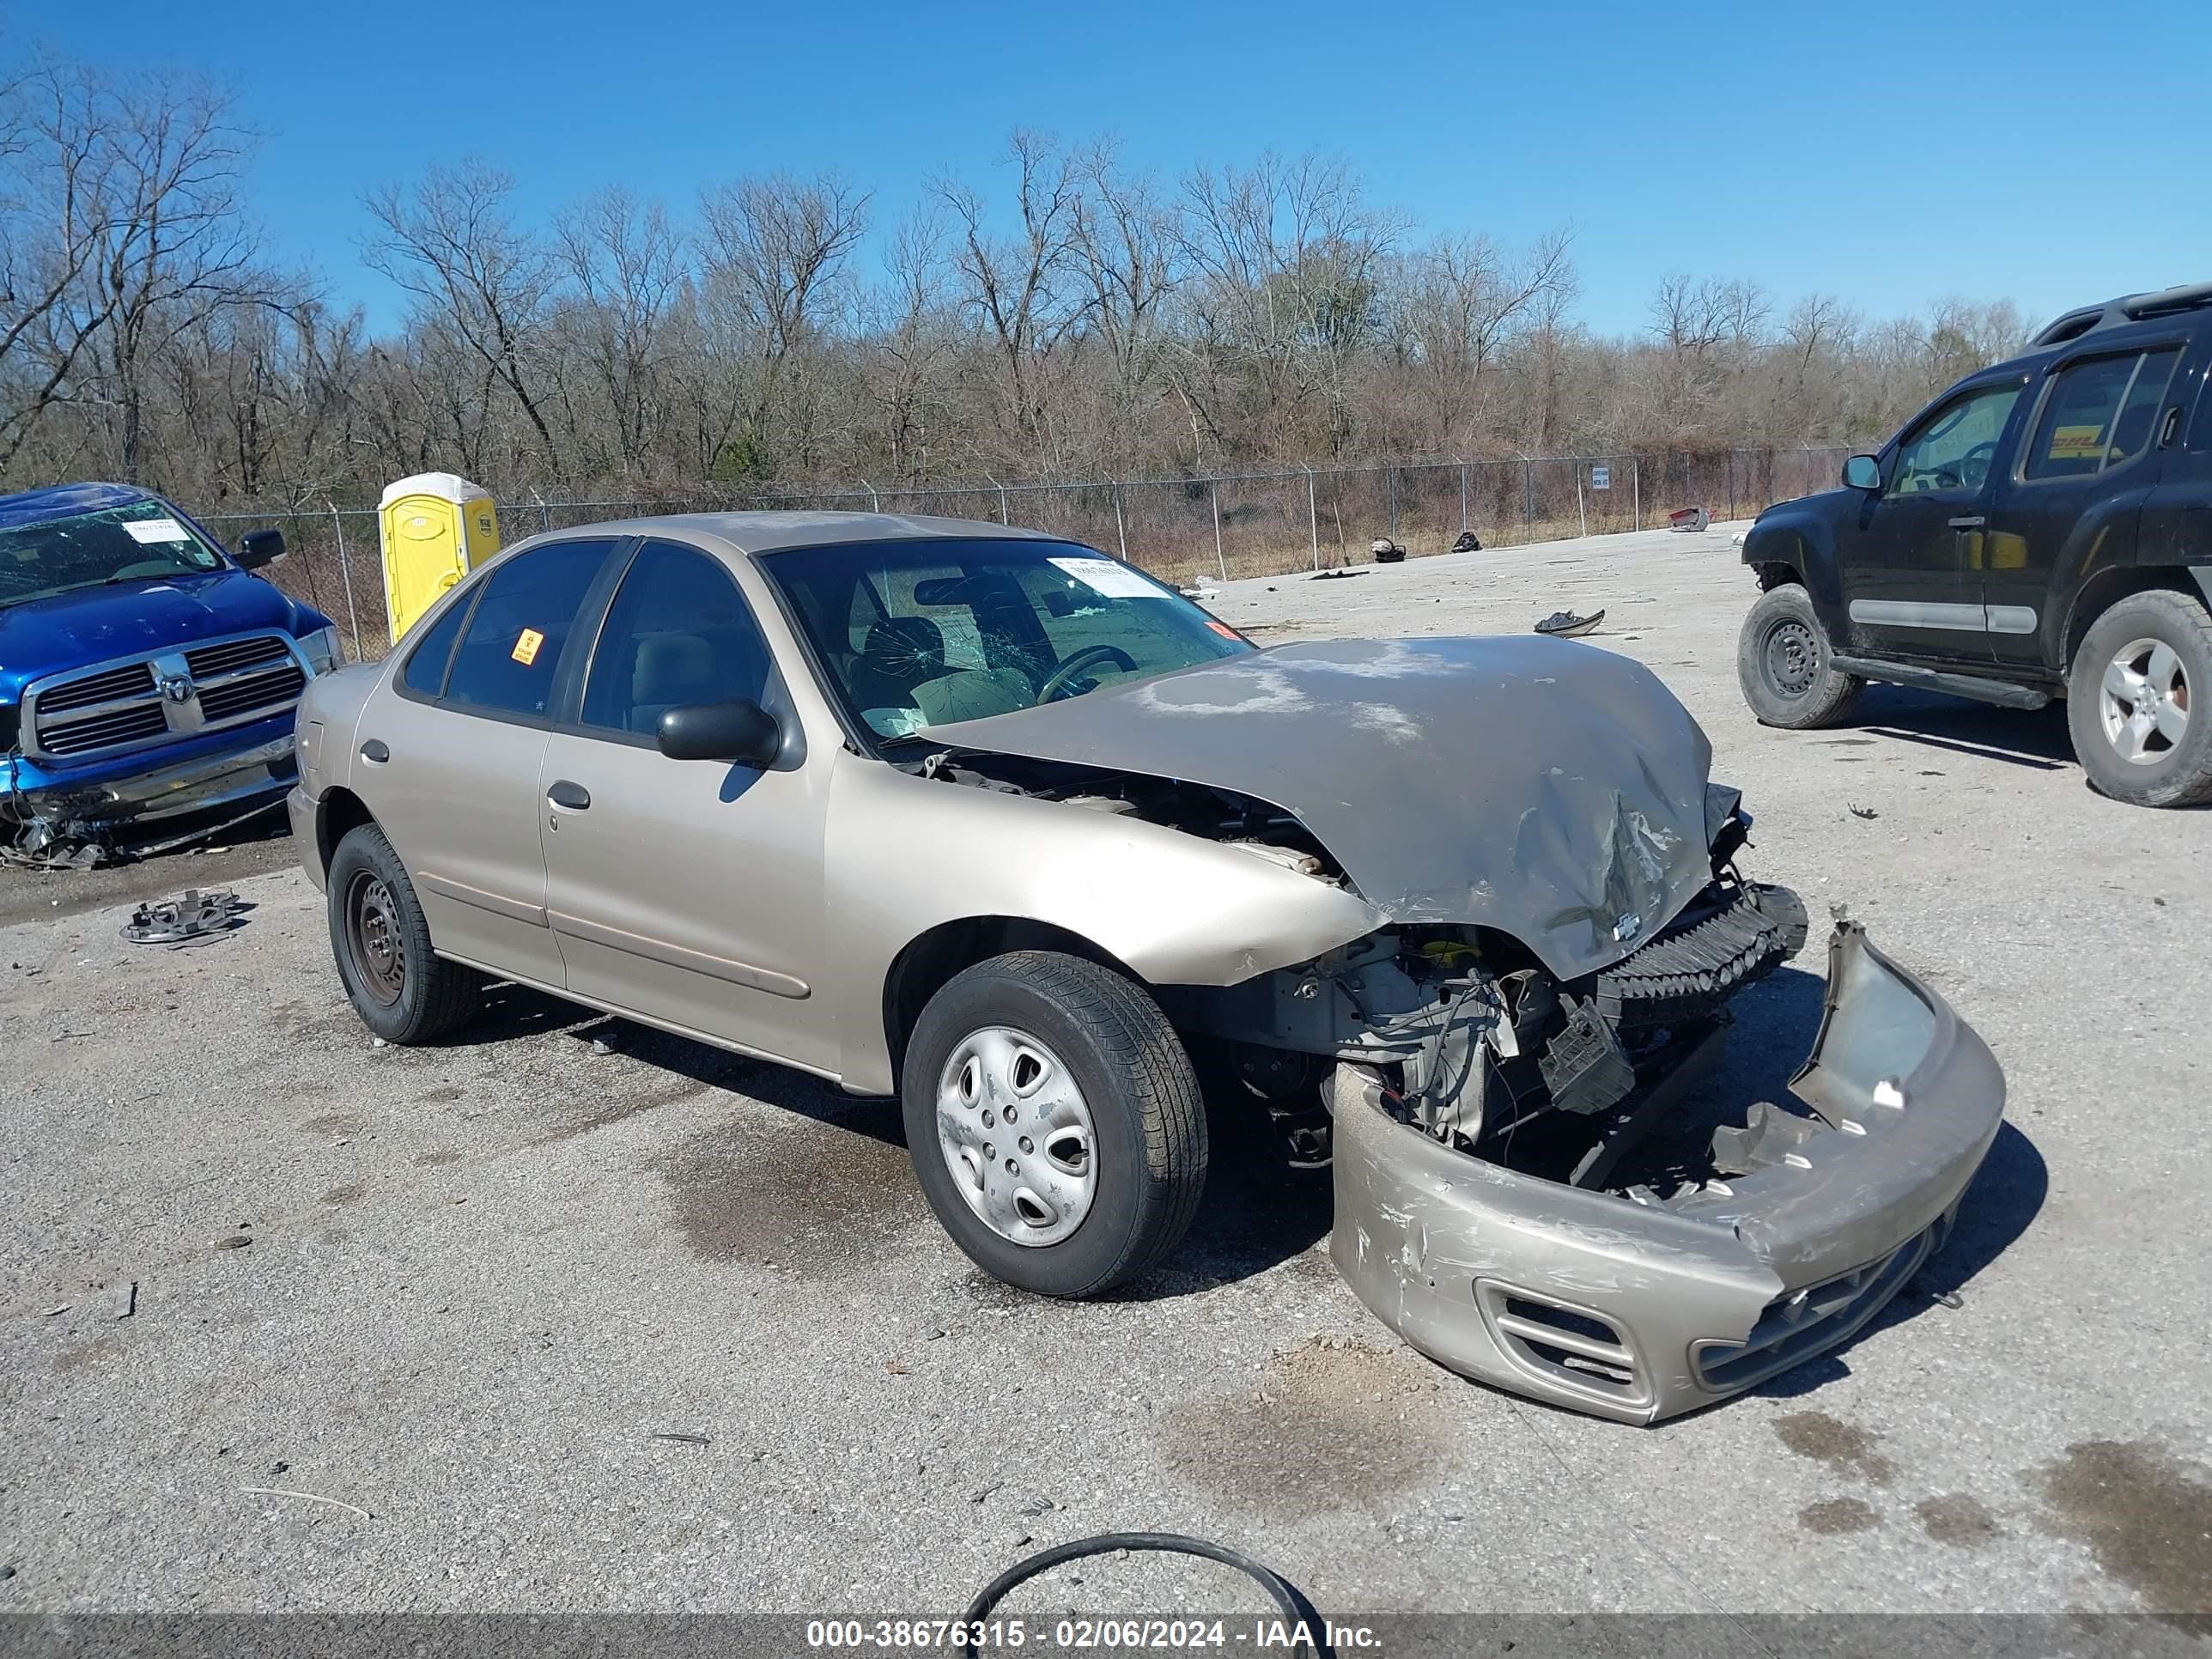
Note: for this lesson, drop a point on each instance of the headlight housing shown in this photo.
(323, 650)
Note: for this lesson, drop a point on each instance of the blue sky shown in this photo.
(1887, 154)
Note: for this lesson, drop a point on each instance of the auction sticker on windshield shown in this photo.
(527, 646)
(155, 530)
(1110, 577)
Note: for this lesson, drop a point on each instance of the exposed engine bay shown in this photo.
(1472, 1040)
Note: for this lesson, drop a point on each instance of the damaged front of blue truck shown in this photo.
(145, 672)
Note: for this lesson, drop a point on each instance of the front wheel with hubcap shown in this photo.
(403, 990)
(2135, 700)
(1054, 1122)
(1782, 664)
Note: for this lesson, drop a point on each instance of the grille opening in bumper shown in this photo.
(1565, 1344)
(1795, 1328)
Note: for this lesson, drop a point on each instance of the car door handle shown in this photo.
(374, 752)
(1971, 521)
(568, 797)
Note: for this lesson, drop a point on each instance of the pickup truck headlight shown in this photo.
(322, 650)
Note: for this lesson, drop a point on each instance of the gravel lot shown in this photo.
(486, 1280)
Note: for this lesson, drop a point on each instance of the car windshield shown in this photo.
(914, 635)
(142, 542)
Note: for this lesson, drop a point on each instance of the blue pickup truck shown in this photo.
(144, 673)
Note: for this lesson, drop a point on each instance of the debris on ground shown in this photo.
(126, 1299)
(1203, 590)
(233, 1241)
(1565, 625)
(1387, 551)
(312, 1496)
(1863, 811)
(195, 917)
(682, 1438)
(1334, 576)
(1688, 518)
(1468, 541)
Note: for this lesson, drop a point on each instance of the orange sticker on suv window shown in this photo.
(1224, 630)
(2076, 443)
(527, 646)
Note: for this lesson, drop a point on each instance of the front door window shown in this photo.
(1954, 448)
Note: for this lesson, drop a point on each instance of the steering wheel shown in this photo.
(1968, 472)
(1974, 464)
(1065, 674)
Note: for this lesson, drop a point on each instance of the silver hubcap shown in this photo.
(1017, 1136)
(2144, 703)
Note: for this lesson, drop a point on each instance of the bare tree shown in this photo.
(627, 262)
(773, 248)
(450, 242)
(1023, 289)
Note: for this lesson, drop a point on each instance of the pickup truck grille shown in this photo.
(112, 709)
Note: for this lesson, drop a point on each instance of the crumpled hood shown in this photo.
(92, 625)
(1552, 790)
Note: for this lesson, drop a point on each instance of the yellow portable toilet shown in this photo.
(435, 528)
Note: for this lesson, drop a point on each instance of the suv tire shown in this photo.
(1782, 661)
(403, 992)
(2139, 700)
(1054, 1122)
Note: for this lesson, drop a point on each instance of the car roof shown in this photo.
(60, 501)
(774, 532)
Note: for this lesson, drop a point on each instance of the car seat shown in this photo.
(670, 669)
(899, 653)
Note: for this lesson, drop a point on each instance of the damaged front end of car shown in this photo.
(1530, 1186)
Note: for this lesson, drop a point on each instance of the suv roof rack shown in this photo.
(2129, 308)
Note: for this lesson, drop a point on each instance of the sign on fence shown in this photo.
(1601, 477)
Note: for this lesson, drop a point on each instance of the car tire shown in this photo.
(1785, 664)
(2145, 749)
(1077, 1057)
(403, 992)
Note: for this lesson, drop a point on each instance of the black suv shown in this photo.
(2042, 530)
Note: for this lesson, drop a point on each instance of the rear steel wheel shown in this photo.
(374, 937)
(402, 988)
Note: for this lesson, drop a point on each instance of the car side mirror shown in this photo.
(742, 733)
(1863, 472)
(259, 547)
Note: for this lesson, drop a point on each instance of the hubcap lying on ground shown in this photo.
(1017, 1136)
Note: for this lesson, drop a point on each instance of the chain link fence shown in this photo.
(1247, 524)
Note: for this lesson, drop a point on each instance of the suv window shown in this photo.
(2099, 413)
(677, 632)
(512, 643)
(1953, 448)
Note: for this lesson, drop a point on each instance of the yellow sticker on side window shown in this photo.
(527, 646)
(2076, 443)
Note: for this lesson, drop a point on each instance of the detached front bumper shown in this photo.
(234, 767)
(1638, 1311)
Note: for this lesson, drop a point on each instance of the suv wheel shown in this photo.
(1054, 1122)
(2139, 702)
(1783, 662)
(403, 991)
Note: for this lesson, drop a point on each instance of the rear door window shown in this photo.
(511, 647)
(2098, 414)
